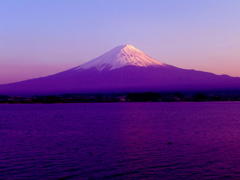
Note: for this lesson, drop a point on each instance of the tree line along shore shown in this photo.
(125, 97)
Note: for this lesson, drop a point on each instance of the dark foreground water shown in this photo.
(120, 141)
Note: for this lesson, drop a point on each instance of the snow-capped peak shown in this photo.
(124, 55)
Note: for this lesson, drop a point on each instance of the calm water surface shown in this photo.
(120, 141)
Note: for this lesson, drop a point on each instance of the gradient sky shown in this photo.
(43, 37)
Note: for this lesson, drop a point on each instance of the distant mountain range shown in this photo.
(123, 69)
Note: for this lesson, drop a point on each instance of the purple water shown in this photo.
(120, 141)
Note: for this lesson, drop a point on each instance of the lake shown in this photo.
(120, 141)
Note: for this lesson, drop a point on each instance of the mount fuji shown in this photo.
(123, 69)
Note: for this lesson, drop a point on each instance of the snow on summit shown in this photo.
(124, 55)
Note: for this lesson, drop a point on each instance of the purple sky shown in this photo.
(44, 37)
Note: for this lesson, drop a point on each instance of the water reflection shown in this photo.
(119, 141)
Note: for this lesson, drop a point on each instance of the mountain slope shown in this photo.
(123, 69)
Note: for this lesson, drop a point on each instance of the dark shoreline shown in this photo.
(124, 97)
